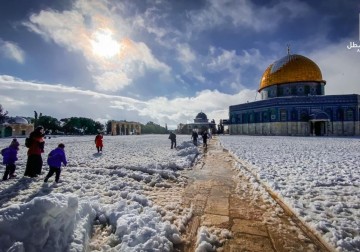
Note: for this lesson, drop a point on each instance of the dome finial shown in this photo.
(288, 49)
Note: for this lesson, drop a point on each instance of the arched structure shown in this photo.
(16, 127)
(125, 128)
(294, 103)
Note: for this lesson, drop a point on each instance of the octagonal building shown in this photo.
(293, 103)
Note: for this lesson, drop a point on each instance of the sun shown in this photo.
(103, 44)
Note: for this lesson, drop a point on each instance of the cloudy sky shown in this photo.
(164, 61)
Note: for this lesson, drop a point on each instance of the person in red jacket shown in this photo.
(99, 142)
(36, 148)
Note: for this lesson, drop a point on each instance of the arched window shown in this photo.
(300, 90)
(252, 117)
(244, 118)
(294, 115)
(265, 116)
(349, 115)
(329, 112)
(340, 114)
(283, 115)
(304, 116)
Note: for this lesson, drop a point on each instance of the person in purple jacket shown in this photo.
(55, 158)
(9, 157)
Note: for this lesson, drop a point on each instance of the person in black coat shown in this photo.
(172, 137)
(36, 148)
(204, 137)
(194, 137)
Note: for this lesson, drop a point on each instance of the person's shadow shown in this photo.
(44, 190)
(14, 190)
(97, 154)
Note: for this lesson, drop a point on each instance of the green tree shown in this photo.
(99, 127)
(49, 123)
(3, 114)
(81, 125)
(153, 128)
(108, 127)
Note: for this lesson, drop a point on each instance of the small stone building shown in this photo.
(125, 128)
(16, 127)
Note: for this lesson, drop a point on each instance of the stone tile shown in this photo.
(253, 243)
(218, 206)
(220, 191)
(214, 220)
(249, 227)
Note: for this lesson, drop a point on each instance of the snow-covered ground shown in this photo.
(317, 177)
(103, 202)
(108, 188)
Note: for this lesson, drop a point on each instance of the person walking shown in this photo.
(172, 137)
(9, 158)
(99, 142)
(55, 158)
(36, 146)
(194, 137)
(204, 137)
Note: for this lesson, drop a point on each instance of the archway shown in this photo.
(8, 131)
(318, 121)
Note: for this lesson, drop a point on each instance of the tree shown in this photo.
(81, 125)
(49, 123)
(108, 127)
(99, 127)
(3, 114)
(152, 128)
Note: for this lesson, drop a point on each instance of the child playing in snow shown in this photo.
(99, 142)
(55, 158)
(9, 157)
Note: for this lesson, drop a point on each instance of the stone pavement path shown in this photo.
(223, 198)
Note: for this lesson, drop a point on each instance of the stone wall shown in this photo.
(16, 130)
(295, 129)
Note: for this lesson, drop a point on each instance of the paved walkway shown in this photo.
(223, 198)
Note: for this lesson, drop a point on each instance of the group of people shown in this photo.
(204, 135)
(194, 136)
(35, 144)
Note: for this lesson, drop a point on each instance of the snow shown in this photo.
(317, 177)
(99, 204)
(106, 201)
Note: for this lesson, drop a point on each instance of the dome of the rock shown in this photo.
(292, 68)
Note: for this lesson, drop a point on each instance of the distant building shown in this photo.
(125, 128)
(294, 104)
(16, 127)
(200, 124)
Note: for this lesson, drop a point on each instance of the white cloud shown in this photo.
(112, 81)
(339, 67)
(62, 102)
(75, 30)
(185, 54)
(245, 14)
(12, 51)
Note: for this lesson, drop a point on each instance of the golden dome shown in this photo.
(291, 68)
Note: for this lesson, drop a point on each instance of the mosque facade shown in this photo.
(201, 123)
(293, 103)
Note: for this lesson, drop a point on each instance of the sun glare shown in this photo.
(104, 45)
